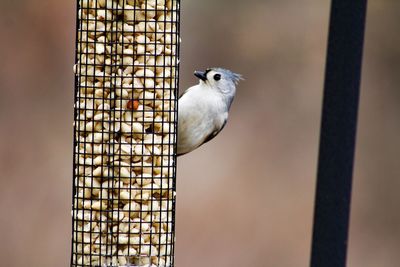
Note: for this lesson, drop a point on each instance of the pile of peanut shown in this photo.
(126, 76)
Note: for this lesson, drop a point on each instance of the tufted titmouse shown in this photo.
(203, 108)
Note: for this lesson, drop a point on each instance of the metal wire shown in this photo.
(125, 132)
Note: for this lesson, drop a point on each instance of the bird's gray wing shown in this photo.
(214, 133)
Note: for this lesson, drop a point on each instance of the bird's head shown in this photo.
(223, 80)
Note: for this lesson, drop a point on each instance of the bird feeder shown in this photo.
(126, 80)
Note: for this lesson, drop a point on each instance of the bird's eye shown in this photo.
(217, 77)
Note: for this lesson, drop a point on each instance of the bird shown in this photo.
(203, 109)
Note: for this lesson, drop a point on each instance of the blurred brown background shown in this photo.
(246, 198)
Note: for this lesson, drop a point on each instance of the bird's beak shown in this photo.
(202, 75)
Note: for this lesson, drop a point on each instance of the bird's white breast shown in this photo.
(201, 111)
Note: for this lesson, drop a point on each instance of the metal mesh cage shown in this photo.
(125, 133)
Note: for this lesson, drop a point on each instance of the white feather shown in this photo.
(203, 110)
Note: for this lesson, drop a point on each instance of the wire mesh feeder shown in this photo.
(125, 133)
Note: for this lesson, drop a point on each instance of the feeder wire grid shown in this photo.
(125, 121)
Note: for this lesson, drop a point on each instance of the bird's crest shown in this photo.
(235, 77)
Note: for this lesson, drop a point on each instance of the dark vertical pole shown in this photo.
(338, 131)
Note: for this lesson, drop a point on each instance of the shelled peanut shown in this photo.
(125, 132)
